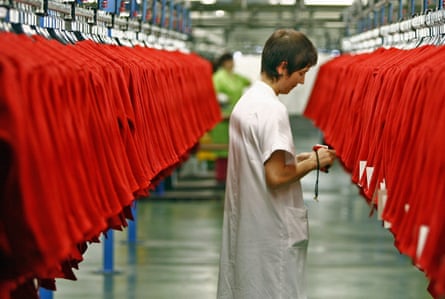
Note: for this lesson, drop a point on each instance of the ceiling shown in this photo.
(244, 25)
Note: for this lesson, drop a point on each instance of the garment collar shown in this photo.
(266, 88)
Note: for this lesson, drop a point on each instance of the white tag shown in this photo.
(383, 185)
(369, 172)
(423, 234)
(382, 197)
(3, 12)
(14, 16)
(362, 167)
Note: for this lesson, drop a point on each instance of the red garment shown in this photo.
(384, 112)
(85, 130)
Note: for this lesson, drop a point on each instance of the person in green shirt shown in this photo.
(229, 87)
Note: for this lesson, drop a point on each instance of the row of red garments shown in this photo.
(85, 130)
(384, 113)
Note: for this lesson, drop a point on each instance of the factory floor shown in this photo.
(178, 236)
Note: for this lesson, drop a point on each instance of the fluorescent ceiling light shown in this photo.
(208, 2)
(326, 15)
(329, 2)
(282, 2)
(220, 13)
(334, 24)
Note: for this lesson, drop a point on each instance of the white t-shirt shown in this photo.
(265, 233)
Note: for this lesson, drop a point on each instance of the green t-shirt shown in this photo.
(232, 85)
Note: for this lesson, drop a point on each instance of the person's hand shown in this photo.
(326, 157)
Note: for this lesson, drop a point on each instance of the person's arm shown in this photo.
(279, 174)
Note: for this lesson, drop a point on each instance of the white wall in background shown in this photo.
(295, 101)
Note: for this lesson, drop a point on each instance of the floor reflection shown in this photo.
(351, 256)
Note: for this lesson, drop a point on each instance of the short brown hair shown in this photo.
(287, 45)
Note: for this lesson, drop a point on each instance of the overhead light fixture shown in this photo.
(208, 2)
(332, 15)
(282, 2)
(219, 13)
(334, 25)
(329, 2)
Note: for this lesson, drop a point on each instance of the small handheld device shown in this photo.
(315, 148)
(318, 146)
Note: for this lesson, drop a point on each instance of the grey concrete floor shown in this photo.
(351, 256)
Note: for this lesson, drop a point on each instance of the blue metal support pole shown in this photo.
(172, 15)
(440, 5)
(133, 7)
(189, 22)
(400, 9)
(154, 11)
(132, 232)
(413, 9)
(117, 6)
(111, 6)
(163, 12)
(144, 10)
(108, 252)
(425, 6)
(179, 17)
(390, 12)
(45, 294)
(184, 20)
(382, 16)
(160, 188)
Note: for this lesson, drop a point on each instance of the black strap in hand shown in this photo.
(318, 175)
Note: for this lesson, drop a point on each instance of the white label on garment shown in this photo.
(382, 197)
(386, 224)
(3, 12)
(14, 16)
(383, 185)
(406, 207)
(369, 172)
(362, 167)
(423, 234)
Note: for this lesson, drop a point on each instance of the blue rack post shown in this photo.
(109, 6)
(400, 9)
(179, 17)
(382, 16)
(108, 252)
(132, 235)
(172, 14)
(154, 11)
(133, 9)
(390, 11)
(45, 294)
(163, 13)
(184, 20)
(144, 10)
(375, 16)
(368, 22)
(160, 188)
(188, 22)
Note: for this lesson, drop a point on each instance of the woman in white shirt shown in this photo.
(265, 233)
